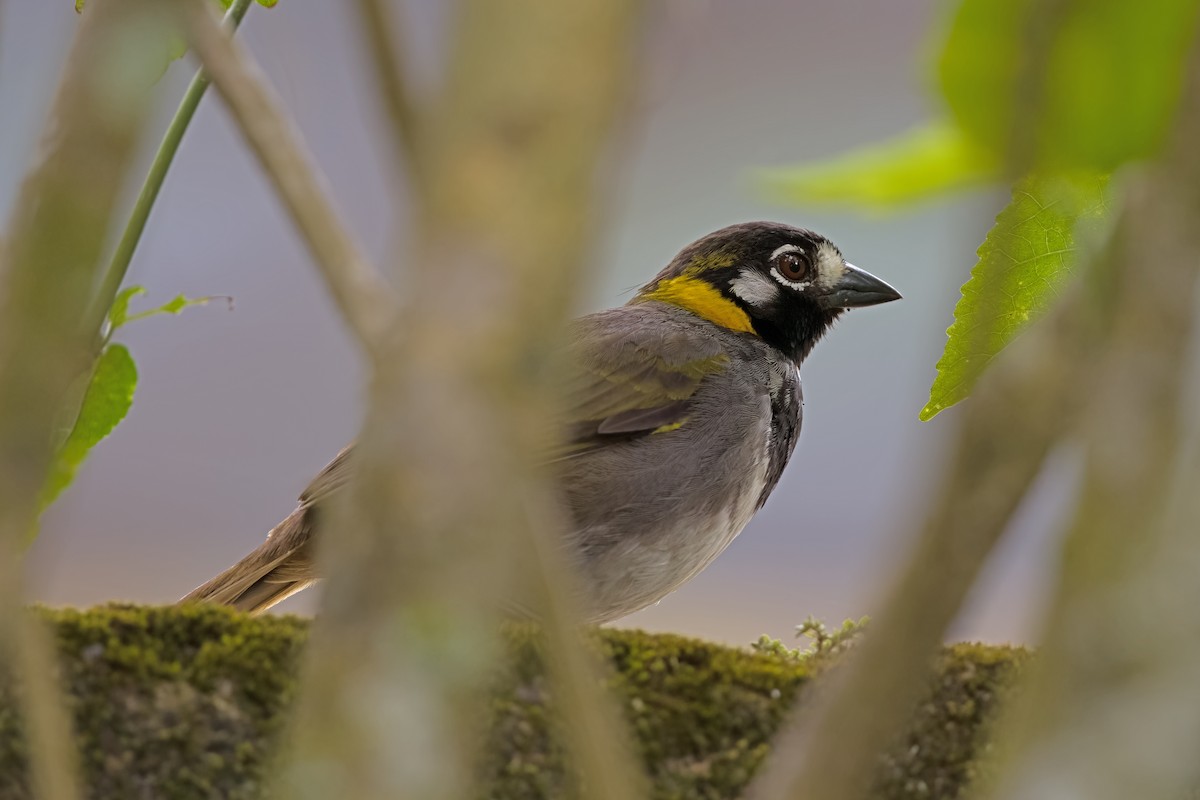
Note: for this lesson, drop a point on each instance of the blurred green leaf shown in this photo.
(978, 68)
(1113, 75)
(926, 161)
(1022, 264)
(171, 45)
(175, 46)
(107, 401)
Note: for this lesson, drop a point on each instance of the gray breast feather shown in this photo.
(652, 512)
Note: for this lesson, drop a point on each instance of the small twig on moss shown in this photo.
(823, 643)
(368, 304)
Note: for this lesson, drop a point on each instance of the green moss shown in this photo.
(168, 702)
(187, 702)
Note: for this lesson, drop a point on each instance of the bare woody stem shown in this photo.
(1015, 416)
(381, 28)
(1019, 411)
(447, 516)
(1119, 641)
(594, 729)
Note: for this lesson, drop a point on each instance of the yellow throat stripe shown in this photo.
(702, 299)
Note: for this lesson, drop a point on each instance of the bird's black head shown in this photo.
(786, 285)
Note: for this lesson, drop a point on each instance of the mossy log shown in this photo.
(188, 703)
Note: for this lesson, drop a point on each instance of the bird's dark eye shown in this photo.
(792, 265)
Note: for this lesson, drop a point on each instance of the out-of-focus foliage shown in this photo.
(1112, 76)
(926, 162)
(109, 392)
(1022, 264)
(174, 47)
(191, 700)
(1101, 78)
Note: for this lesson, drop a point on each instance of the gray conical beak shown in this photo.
(858, 288)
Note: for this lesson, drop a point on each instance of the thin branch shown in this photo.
(596, 734)
(380, 27)
(367, 302)
(1113, 709)
(114, 276)
(1016, 414)
(1020, 410)
(51, 261)
(50, 731)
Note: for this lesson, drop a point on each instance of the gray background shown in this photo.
(237, 410)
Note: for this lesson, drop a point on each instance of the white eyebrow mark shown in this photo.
(786, 248)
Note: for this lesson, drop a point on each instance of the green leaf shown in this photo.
(119, 316)
(175, 306)
(979, 67)
(1022, 264)
(927, 161)
(107, 400)
(1113, 74)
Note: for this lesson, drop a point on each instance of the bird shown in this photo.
(681, 410)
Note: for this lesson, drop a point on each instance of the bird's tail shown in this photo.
(277, 569)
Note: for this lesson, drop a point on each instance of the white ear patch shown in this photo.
(829, 265)
(754, 287)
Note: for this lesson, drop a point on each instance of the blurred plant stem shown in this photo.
(1107, 363)
(1019, 409)
(51, 259)
(118, 265)
(1113, 708)
(450, 516)
(381, 29)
